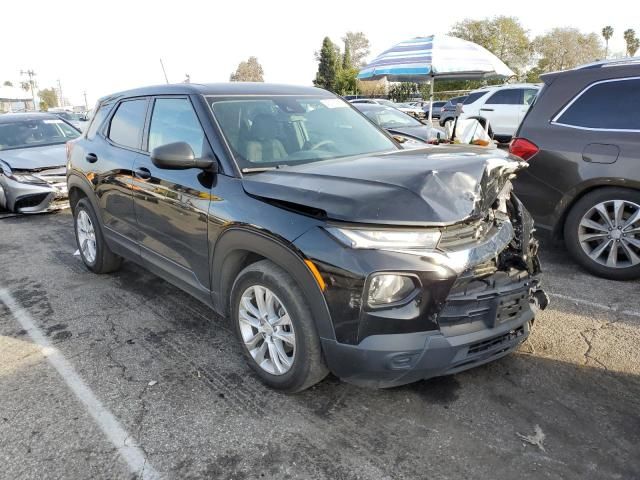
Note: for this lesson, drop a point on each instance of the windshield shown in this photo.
(286, 130)
(33, 133)
(388, 117)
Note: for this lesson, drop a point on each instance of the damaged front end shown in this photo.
(33, 191)
(477, 290)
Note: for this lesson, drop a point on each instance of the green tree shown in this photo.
(48, 98)
(7, 83)
(607, 33)
(564, 48)
(249, 71)
(632, 41)
(503, 36)
(328, 66)
(359, 47)
(346, 57)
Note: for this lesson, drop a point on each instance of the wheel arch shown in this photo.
(573, 196)
(78, 188)
(238, 247)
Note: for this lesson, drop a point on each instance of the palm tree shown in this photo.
(631, 40)
(607, 33)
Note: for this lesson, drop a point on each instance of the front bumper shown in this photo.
(21, 197)
(477, 326)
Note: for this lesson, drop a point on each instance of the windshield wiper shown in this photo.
(261, 169)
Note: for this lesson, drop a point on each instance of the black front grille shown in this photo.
(30, 201)
(496, 341)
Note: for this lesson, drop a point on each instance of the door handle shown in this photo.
(142, 173)
(486, 109)
(91, 158)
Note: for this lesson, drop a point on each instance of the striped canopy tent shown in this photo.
(424, 59)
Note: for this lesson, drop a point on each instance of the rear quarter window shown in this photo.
(607, 105)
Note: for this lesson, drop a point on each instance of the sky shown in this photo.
(100, 47)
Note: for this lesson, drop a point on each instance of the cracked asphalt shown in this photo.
(565, 406)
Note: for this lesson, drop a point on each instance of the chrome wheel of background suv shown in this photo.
(609, 233)
(266, 330)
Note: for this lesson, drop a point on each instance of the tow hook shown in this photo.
(539, 300)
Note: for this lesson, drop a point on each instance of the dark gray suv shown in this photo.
(582, 142)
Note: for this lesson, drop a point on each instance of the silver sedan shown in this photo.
(32, 161)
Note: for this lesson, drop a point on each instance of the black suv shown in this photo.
(582, 141)
(328, 246)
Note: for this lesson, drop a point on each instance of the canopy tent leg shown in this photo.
(431, 99)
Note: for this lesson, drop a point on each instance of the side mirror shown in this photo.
(180, 156)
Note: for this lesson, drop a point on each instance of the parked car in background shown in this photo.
(32, 161)
(327, 246)
(448, 111)
(376, 101)
(581, 139)
(399, 124)
(78, 120)
(409, 109)
(437, 109)
(504, 106)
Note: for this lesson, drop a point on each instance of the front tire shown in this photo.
(94, 251)
(275, 328)
(602, 233)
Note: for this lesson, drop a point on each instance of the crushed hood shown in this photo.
(432, 186)
(35, 158)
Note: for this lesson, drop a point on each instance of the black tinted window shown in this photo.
(508, 96)
(610, 105)
(473, 97)
(128, 122)
(174, 120)
(97, 120)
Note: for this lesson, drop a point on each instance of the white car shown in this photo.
(504, 106)
(409, 109)
(375, 101)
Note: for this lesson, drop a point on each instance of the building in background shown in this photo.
(14, 99)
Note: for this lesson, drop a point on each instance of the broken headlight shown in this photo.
(389, 239)
(27, 178)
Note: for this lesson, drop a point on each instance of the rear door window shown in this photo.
(127, 123)
(610, 105)
(508, 96)
(473, 97)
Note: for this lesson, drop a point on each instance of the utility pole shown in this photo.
(61, 101)
(31, 74)
(86, 104)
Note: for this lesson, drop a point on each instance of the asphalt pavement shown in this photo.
(125, 376)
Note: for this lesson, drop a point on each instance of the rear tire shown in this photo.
(601, 221)
(94, 251)
(275, 328)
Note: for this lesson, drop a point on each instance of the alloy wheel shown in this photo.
(86, 236)
(266, 330)
(609, 233)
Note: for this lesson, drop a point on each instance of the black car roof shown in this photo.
(12, 117)
(221, 89)
(607, 67)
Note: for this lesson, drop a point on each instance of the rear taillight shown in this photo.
(523, 148)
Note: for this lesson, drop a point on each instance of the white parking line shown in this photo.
(133, 455)
(600, 306)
